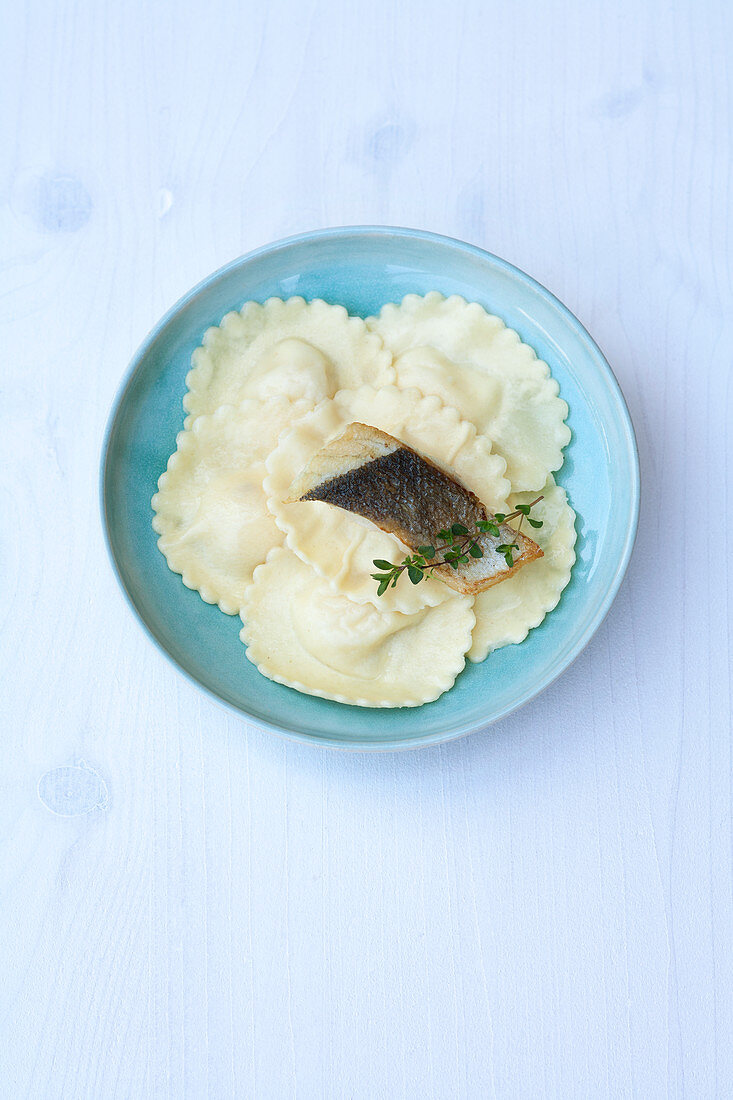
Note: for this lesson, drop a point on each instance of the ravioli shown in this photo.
(269, 388)
(507, 612)
(300, 632)
(293, 349)
(342, 546)
(474, 363)
(211, 512)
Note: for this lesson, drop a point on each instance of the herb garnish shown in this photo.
(457, 547)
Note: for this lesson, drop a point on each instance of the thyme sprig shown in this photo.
(457, 547)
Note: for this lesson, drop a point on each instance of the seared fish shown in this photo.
(369, 473)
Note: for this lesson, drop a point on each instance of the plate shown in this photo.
(362, 268)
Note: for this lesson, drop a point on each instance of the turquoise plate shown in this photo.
(362, 268)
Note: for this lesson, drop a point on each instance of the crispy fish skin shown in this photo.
(374, 475)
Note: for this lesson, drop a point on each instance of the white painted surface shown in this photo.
(198, 909)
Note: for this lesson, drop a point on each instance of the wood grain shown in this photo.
(193, 908)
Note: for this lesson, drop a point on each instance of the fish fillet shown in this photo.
(369, 473)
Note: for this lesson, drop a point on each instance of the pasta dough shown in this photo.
(508, 611)
(474, 363)
(341, 546)
(300, 632)
(293, 349)
(211, 512)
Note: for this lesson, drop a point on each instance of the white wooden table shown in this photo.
(198, 909)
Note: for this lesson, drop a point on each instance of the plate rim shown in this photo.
(519, 275)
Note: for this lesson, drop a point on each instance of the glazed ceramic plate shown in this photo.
(362, 268)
